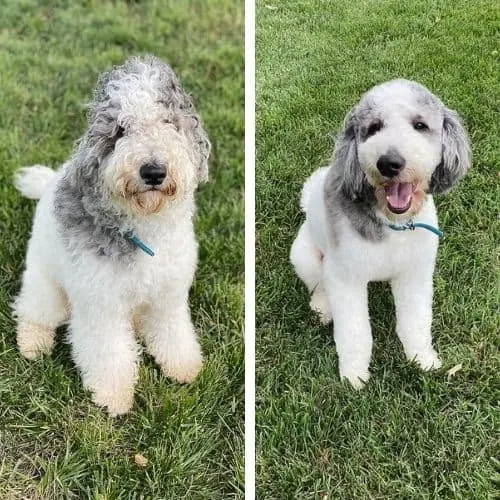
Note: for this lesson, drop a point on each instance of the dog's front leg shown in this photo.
(171, 339)
(413, 298)
(105, 351)
(351, 327)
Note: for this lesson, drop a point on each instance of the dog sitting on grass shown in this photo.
(113, 248)
(370, 216)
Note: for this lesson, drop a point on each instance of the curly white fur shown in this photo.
(81, 268)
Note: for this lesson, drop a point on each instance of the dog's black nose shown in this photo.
(152, 174)
(390, 164)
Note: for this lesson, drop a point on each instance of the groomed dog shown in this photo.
(126, 193)
(370, 216)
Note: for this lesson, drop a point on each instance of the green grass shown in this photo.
(53, 442)
(407, 434)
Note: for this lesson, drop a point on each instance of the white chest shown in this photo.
(397, 253)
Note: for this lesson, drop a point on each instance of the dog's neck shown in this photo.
(362, 213)
(145, 232)
(368, 220)
(88, 222)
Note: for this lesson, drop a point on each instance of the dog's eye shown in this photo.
(373, 128)
(120, 132)
(172, 121)
(420, 126)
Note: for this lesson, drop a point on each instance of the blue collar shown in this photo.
(138, 243)
(413, 225)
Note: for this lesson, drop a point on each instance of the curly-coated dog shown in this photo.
(113, 248)
(370, 216)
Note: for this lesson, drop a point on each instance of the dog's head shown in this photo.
(402, 142)
(145, 143)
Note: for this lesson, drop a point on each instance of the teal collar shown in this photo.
(138, 243)
(413, 225)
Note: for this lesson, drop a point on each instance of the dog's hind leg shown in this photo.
(307, 260)
(40, 308)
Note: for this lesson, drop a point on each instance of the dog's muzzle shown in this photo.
(398, 194)
(390, 164)
(153, 174)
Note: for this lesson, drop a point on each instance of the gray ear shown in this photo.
(204, 148)
(345, 159)
(456, 156)
(193, 128)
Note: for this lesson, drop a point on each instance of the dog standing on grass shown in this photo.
(370, 216)
(113, 248)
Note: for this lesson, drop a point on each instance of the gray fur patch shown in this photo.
(359, 211)
(345, 160)
(85, 219)
(456, 157)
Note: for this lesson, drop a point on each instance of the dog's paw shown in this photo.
(34, 340)
(357, 378)
(321, 306)
(183, 365)
(428, 360)
(114, 402)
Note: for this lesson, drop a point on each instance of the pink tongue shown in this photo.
(398, 194)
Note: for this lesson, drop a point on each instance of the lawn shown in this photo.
(406, 434)
(53, 442)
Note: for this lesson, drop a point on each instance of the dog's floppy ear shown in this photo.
(345, 159)
(192, 126)
(204, 147)
(203, 169)
(456, 155)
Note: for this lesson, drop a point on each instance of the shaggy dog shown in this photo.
(370, 217)
(113, 248)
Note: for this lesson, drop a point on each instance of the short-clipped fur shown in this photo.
(399, 145)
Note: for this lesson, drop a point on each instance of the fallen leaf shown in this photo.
(454, 370)
(140, 460)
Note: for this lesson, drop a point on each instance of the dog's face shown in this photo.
(403, 142)
(147, 141)
(399, 139)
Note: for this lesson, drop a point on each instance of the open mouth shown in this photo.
(399, 196)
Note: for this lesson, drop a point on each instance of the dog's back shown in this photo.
(311, 187)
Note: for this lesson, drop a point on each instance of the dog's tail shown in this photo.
(310, 186)
(31, 181)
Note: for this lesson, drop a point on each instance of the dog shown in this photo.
(113, 248)
(370, 216)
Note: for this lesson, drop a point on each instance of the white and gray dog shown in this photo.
(113, 248)
(370, 216)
